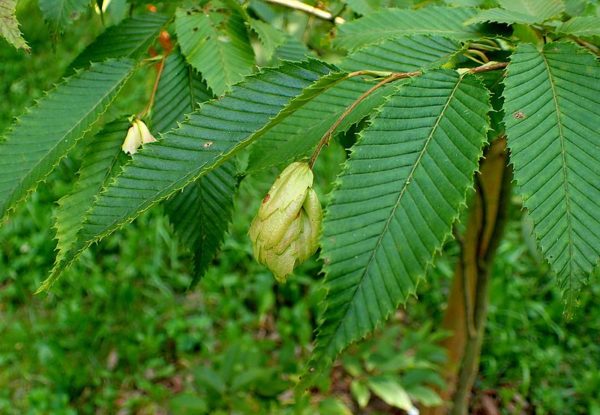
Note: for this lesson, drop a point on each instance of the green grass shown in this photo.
(533, 352)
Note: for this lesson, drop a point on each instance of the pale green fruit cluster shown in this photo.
(285, 232)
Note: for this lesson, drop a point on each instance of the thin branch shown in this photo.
(327, 136)
(161, 66)
(484, 58)
(490, 66)
(389, 77)
(306, 8)
(590, 46)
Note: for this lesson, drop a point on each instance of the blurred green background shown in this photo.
(121, 332)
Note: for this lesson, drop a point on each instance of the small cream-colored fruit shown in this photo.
(137, 135)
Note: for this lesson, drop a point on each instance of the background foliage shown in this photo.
(129, 335)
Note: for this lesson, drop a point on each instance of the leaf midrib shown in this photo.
(228, 72)
(63, 245)
(394, 208)
(61, 11)
(221, 54)
(529, 9)
(169, 190)
(564, 164)
(10, 199)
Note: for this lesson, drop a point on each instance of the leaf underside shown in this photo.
(180, 90)
(298, 135)
(551, 116)
(396, 201)
(390, 23)
(581, 26)
(504, 16)
(403, 54)
(218, 128)
(540, 9)
(201, 212)
(44, 135)
(102, 160)
(520, 11)
(220, 50)
(129, 39)
(60, 13)
(9, 25)
(291, 50)
(270, 37)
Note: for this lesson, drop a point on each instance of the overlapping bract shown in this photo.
(286, 229)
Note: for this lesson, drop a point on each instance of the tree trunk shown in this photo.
(467, 304)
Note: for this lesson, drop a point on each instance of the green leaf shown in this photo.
(50, 129)
(60, 13)
(390, 391)
(540, 9)
(520, 11)
(9, 25)
(577, 7)
(425, 395)
(270, 37)
(360, 392)
(187, 403)
(551, 110)
(581, 26)
(208, 137)
(292, 50)
(403, 54)
(129, 39)
(207, 378)
(391, 23)
(369, 6)
(504, 16)
(298, 135)
(469, 3)
(364, 6)
(333, 406)
(102, 160)
(179, 92)
(201, 212)
(400, 192)
(217, 45)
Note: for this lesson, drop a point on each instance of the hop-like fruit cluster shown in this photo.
(137, 135)
(285, 232)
